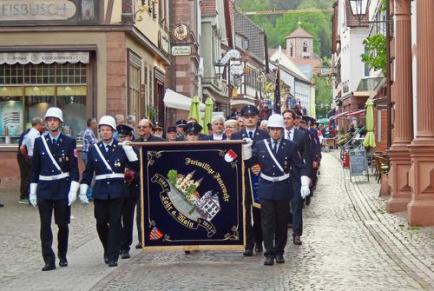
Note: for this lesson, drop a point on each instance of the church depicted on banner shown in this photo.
(208, 206)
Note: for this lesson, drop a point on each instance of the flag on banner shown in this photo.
(277, 92)
(155, 234)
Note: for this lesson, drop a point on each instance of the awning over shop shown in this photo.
(24, 58)
(235, 102)
(175, 100)
(342, 114)
(359, 112)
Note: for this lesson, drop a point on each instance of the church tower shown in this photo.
(299, 44)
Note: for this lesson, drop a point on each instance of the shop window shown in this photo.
(29, 90)
(11, 119)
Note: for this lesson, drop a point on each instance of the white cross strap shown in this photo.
(50, 154)
(103, 159)
(273, 157)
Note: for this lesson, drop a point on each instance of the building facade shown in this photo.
(87, 57)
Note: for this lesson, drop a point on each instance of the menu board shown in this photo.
(11, 118)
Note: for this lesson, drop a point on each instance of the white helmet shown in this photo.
(107, 120)
(54, 112)
(275, 120)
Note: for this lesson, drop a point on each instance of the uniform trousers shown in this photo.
(127, 222)
(139, 220)
(25, 167)
(62, 214)
(108, 225)
(253, 222)
(296, 218)
(274, 217)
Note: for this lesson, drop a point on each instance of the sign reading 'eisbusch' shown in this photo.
(48, 11)
(34, 9)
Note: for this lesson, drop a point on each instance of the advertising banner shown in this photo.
(193, 195)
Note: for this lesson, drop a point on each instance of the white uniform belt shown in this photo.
(109, 176)
(54, 177)
(274, 179)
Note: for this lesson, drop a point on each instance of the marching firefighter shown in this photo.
(54, 185)
(281, 166)
(254, 234)
(108, 159)
(132, 178)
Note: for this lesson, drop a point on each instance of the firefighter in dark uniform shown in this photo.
(254, 234)
(54, 185)
(133, 181)
(108, 160)
(281, 166)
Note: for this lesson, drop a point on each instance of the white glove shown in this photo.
(72, 195)
(305, 182)
(247, 148)
(129, 151)
(83, 193)
(32, 197)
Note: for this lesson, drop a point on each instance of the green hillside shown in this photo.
(279, 26)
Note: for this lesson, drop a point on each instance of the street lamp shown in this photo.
(219, 67)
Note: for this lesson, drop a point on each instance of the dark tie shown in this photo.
(251, 135)
(54, 141)
(108, 147)
(275, 147)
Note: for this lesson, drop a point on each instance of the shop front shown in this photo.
(32, 82)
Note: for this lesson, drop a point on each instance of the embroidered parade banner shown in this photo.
(192, 195)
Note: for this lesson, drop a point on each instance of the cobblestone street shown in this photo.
(349, 243)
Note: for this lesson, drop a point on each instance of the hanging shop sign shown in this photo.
(181, 50)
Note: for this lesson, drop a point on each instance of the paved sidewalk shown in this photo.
(349, 243)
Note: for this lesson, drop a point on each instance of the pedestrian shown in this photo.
(263, 124)
(231, 126)
(171, 133)
(132, 179)
(54, 185)
(120, 119)
(180, 129)
(25, 154)
(132, 122)
(192, 131)
(254, 234)
(89, 139)
(217, 124)
(158, 130)
(144, 129)
(108, 160)
(301, 138)
(281, 165)
(240, 121)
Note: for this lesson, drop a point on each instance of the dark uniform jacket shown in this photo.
(110, 188)
(288, 157)
(302, 139)
(65, 154)
(211, 137)
(258, 135)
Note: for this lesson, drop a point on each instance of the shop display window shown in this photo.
(29, 90)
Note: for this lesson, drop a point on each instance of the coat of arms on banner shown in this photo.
(194, 198)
